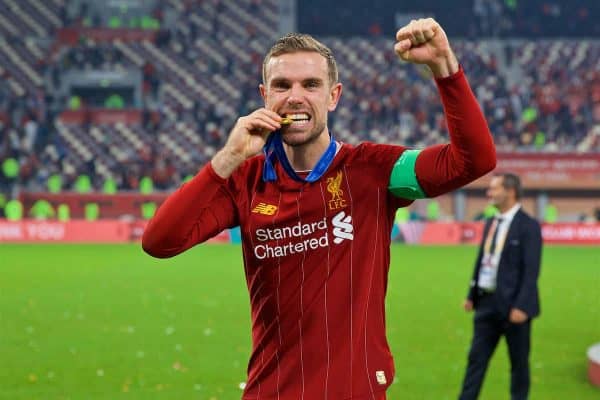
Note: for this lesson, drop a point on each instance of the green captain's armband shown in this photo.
(403, 179)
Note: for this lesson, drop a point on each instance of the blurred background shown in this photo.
(108, 106)
(129, 96)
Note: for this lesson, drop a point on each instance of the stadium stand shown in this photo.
(195, 82)
(464, 18)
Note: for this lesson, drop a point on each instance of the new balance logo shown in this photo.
(264, 209)
(342, 227)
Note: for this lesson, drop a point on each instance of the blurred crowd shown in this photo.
(551, 105)
(474, 19)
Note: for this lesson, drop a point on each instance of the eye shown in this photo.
(280, 85)
(312, 84)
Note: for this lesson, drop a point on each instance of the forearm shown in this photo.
(470, 153)
(194, 213)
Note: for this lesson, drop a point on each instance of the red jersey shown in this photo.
(316, 255)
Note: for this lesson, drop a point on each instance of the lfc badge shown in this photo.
(337, 200)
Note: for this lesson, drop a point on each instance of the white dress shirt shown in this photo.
(490, 260)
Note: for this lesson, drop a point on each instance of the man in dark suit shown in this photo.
(503, 291)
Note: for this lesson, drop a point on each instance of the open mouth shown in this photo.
(295, 119)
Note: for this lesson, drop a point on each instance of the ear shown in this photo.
(263, 92)
(334, 96)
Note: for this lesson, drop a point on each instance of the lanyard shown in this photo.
(274, 149)
(494, 242)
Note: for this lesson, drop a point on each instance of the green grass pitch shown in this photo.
(109, 322)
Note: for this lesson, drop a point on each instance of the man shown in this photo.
(504, 290)
(316, 216)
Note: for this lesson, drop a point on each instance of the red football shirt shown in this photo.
(316, 255)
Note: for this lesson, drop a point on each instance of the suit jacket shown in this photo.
(518, 267)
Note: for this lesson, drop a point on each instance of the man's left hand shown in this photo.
(423, 41)
(517, 316)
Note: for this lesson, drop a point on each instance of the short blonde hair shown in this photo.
(295, 42)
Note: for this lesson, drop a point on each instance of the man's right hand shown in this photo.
(468, 305)
(246, 139)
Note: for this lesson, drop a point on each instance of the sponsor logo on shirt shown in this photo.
(302, 237)
(264, 209)
(337, 200)
(380, 375)
(342, 227)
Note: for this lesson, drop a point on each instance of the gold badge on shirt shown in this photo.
(337, 200)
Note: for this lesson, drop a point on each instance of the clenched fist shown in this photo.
(423, 41)
(246, 139)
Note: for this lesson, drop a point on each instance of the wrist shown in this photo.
(445, 66)
(225, 162)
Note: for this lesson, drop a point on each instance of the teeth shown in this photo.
(298, 117)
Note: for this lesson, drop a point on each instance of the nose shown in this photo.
(296, 94)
